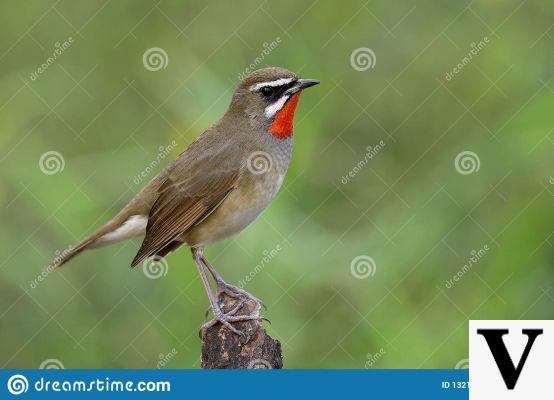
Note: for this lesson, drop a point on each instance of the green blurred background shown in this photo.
(405, 205)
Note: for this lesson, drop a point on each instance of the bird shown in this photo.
(216, 187)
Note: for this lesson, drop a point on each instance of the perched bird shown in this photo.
(217, 186)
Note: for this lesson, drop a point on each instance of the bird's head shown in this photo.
(268, 97)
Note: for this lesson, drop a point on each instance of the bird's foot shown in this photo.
(238, 293)
(227, 318)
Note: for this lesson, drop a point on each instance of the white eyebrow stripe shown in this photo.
(277, 82)
(272, 109)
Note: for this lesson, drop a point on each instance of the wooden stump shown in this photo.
(223, 349)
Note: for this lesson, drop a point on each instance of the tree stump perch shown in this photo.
(223, 349)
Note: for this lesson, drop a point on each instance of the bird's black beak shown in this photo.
(302, 84)
(306, 83)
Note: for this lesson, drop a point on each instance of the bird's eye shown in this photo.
(267, 91)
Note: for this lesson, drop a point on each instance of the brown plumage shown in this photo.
(213, 189)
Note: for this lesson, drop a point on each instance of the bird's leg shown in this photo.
(224, 287)
(219, 316)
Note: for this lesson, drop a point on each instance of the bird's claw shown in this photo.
(228, 318)
(233, 291)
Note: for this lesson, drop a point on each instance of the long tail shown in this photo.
(116, 230)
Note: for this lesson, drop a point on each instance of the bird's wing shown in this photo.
(193, 189)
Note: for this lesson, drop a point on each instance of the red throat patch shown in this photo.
(281, 127)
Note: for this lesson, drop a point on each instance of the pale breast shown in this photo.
(240, 208)
(261, 177)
